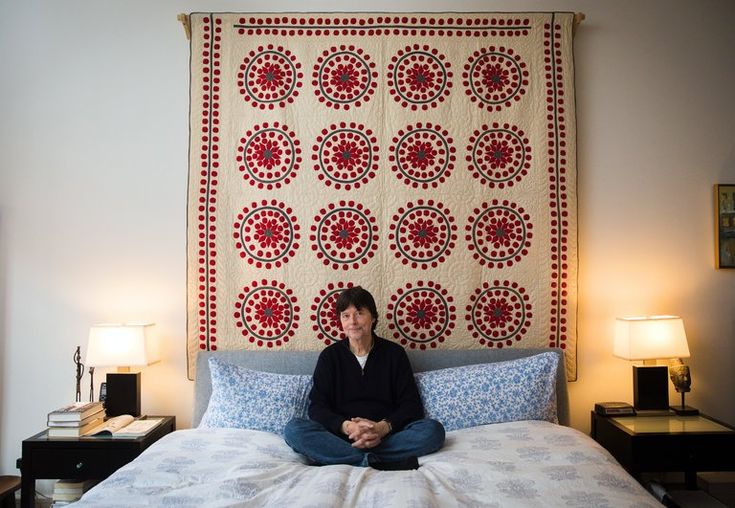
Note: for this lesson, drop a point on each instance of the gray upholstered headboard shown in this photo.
(303, 362)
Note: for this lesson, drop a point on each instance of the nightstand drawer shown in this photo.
(676, 452)
(76, 463)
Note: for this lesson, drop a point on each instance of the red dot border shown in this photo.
(208, 180)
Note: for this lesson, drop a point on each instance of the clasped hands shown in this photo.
(365, 433)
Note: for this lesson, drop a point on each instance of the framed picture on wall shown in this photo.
(725, 226)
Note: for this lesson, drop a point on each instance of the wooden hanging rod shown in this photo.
(184, 19)
(578, 18)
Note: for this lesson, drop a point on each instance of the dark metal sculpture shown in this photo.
(91, 384)
(80, 372)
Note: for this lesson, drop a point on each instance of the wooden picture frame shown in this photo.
(725, 225)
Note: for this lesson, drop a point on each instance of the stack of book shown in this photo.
(68, 491)
(75, 419)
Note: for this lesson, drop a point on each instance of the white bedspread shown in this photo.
(530, 463)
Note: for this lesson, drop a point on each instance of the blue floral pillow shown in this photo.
(460, 397)
(248, 399)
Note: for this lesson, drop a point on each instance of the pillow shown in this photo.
(522, 389)
(248, 399)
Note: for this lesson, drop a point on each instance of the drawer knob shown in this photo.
(80, 465)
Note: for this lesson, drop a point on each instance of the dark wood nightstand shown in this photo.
(667, 443)
(80, 458)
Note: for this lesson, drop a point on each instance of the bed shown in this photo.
(508, 442)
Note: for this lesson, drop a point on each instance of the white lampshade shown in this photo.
(650, 338)
(121, 345)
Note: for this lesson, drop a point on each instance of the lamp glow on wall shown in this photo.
(652, 338)
(122, 346)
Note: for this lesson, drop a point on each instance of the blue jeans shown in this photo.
(321, 447)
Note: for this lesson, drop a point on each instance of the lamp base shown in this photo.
(650, 387)
(123, 394)
(685, 410)
(654, 412)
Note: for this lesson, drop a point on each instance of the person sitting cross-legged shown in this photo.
(365, 408)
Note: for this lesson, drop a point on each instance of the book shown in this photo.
(66, 486)
(75, 412)
(76, 423)
(138, 428)
(124, 426)
(70, 490)
(75, 496)
(109, 426)
(73, 431)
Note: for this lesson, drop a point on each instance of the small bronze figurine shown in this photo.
(682, 381)
(80, 372)
(680, 377)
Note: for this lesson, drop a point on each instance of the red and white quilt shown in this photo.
(430, 158)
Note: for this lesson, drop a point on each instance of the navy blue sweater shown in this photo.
(384, 389)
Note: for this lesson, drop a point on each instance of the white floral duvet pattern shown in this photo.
(527, 463)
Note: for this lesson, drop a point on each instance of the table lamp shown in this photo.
(122, 346)
(651, 338)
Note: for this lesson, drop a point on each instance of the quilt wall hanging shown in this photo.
(430, 158)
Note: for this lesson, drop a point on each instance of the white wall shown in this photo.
(93, 160)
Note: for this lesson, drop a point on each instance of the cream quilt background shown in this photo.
(430, 158)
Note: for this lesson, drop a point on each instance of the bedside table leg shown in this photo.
(27, 492)
(690, 480)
